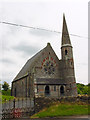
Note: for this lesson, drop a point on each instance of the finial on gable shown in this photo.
(48, 44)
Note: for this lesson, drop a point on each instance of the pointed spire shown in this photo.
(65, 34)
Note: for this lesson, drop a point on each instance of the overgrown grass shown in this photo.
(63, 109)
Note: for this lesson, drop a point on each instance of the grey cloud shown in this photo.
(7, 61)
(41, 33)
(25, 49)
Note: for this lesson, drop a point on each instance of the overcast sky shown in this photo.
(18, 44)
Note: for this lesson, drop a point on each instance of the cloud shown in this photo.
(7, 61)
(25, 49)
(41, 33)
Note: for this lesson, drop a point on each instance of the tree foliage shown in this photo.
(5, 86)
(82, 89)
(7, 93)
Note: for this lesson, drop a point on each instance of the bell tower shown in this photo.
(68, 61)
(66, 47)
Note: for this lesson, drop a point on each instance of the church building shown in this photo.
(44, 75)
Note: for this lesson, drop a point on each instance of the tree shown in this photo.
(82, 89)
(88, 84)
(5, 86)
(85, 89)
(88, 88)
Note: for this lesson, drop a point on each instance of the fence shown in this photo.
(18, 108)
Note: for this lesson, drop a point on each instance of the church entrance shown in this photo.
(47, 91)
(62, 90)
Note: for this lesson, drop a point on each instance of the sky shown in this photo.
(18, 44)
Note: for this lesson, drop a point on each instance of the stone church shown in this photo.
(44, 75)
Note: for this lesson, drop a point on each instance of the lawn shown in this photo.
(63, 109)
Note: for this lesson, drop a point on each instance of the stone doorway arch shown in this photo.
(47, 90)
(62, 89)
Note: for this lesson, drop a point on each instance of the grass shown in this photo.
(63, 109)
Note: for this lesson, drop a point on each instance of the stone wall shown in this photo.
(23, 87)
(39, 71)
(54, 91)
(43, 102)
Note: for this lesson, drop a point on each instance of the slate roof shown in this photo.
(28, 65)
(50, 81)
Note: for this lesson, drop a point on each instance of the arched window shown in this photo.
(66, 52)
(62, 90)
(47, 90)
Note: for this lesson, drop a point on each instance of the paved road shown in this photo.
(60, 118)
(52, 119)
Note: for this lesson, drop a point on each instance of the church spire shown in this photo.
(65, 34)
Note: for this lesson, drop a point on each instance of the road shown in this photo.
(83, 117)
